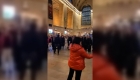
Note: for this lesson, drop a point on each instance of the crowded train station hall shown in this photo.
(69, 40)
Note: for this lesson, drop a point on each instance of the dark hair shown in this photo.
(33, 26)
(76, 40)
(98, 41)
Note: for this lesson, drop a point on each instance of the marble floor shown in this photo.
(58, 67)
(42, 75)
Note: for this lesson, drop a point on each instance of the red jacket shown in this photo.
(77, 57)
(103, 70)
(49, 40)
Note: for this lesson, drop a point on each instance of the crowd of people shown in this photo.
(79, 47)
(21, 45)
(60, 42)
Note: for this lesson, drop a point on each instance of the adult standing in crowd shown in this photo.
(1, 41)
(30, 49)
(17, 36)
(84, 42)
(88, 43)
(62, 41)
(53, 43)
(131, 51)
(57, 43)
(43, 45)
(122, 48)
(69, 40)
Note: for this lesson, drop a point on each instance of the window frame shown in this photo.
(86, 14)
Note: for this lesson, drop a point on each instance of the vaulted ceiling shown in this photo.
(77, 3)
(80, 3)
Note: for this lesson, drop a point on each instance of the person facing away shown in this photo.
(57, 43)
(30, 49)
(102, 68)
(8, 64)
(43, 45)
(88, 43)
(84, 42)
(1, 42)
(69, 40)
(62, 41)
(76, 60)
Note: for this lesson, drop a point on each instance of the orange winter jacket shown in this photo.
(103, 70)
(77, 57)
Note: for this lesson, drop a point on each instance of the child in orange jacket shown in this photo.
(76, 60)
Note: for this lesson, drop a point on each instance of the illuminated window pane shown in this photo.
(86, 15)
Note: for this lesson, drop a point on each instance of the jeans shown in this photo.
(77, 75)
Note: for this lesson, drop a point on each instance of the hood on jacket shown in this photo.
(75, 47)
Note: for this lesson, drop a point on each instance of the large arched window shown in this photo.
(86, 15)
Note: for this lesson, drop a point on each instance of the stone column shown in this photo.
(76, 21)
(61, 15)
(65, 16)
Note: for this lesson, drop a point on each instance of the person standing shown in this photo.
(16, 34)
(57, 44)
(88, 43)
(84, 42)
(115, 48)
(62, 41)
(69, 40)
(131, 51)
(49, 43)
(1, 43)
(53, 43)
(30, 51)
(76, 60)
(8, 63)
(43, 45)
